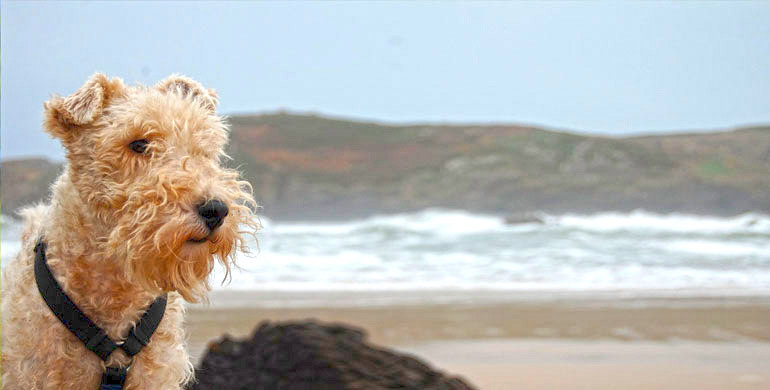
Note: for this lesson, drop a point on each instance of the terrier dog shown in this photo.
(143, 208)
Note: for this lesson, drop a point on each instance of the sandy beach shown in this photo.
(502, 364)
(565, 342)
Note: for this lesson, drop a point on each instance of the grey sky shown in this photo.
(609, 68)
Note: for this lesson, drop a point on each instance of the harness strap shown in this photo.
(139, 335)
(92, 336)
(68, 313)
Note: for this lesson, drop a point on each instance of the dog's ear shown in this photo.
(64, 115)
(185, 86)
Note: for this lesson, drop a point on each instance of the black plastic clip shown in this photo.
(113, 378)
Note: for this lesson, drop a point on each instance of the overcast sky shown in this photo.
(607, 68)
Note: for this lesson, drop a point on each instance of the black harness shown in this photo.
(92, 336)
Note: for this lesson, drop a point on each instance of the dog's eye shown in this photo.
(139, 146)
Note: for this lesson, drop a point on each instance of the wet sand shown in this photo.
(565, 342)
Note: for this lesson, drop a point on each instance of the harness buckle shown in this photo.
(114, 378)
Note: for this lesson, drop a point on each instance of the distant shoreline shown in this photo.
(316, 168)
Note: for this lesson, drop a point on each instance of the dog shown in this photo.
(143, 209)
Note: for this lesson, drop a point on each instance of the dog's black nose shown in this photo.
(213, 213)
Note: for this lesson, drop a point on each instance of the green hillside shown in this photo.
(311, 167)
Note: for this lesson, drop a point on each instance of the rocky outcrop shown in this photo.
(314, 356)
(522, 219)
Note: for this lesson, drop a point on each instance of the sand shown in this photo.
(583, 364)
(557, 342)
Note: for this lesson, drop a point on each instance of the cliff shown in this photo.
(312, 167)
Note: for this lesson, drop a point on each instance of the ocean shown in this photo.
(637, 253)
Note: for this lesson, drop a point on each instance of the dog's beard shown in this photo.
(171, 254)
(166, 247)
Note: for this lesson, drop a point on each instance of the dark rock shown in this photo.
(314, 356)
(522, 219)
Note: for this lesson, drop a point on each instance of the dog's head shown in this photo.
(146, 162)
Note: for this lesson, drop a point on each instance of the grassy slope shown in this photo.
(303, 165)
(314, 167)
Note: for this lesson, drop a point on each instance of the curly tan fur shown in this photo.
(119, 228)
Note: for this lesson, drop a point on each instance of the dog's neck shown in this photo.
(96, 284)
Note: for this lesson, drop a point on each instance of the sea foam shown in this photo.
(632, 253)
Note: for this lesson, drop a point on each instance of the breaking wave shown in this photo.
(455, 250)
